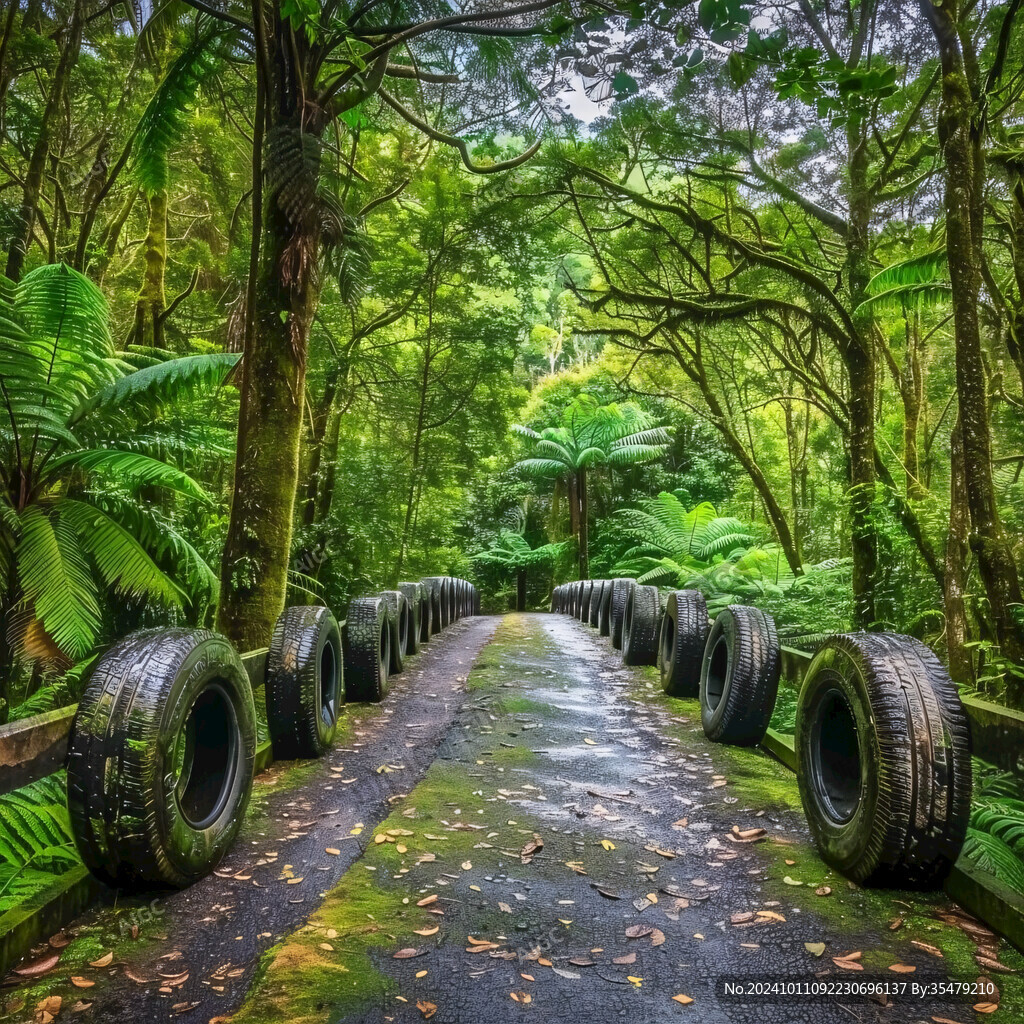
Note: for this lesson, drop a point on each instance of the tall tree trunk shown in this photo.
(281, 302)
(415, 472)
(70, 45)
(584, 522)
(961, 665)
(520, 590)
(859, 358)
(961, 134)
(152, 300)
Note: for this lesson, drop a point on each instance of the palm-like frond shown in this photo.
(163, 121)
(512, 551)
(132, 468)
(55, 578)
(158, 383)
(122, 562)
(540, 467)
(924, 268)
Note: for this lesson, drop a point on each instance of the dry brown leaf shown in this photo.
(985, 1007)
(421, 974)
(428, 931)
(406, 954)
(681, 823)
(427, 900)
(482, 947)
(685, 1000)
(104, 961)
(657, 937)
(527, 977)
(504, 907)
(992, 965)
(744, 918)
(902, 968)
(770, 915)
(38, 967)
(521, 997)
(629, 958)
(638, 931)
(934, 950)
(428, 1009)
(527, 852)
(847, 965)
(823, 890)
(332, 850)
(79, 982)
(896, 924)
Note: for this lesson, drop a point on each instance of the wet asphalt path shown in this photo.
(194, 952)
(638, 905)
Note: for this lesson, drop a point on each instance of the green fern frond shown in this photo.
(134, 469)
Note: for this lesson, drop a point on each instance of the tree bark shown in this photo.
(520, 590)
(961, 665)
(961, 135)
(859, 358)
(584, 524)
(152, 300)
(282, 300)
(32, 191)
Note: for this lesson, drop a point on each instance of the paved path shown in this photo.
(569, 854)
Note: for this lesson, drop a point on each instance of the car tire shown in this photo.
(739, 677)
(620, 596)
(367, 643)
(884, 752)
(304, 682)
(640, 625)
(684, 635)
(160, 758)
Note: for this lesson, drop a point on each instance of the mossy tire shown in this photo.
(596, 597)
(883, 743)
(418, 605)
(684, 635)
(641, 622)
(160, 759)
(739, 677)
(367, 643)
(399, 619)
(620, 597)
(304, 682)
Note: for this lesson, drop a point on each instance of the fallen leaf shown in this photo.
(467, 865)
(428, 931)
(528, 977)
(629, 958)
(791, 881)
(770, 915)
(685, 1000)
(421, 974)
(504, 907)
(657, 937)
(527, 852)
(38, 967)
(985, 1007)
(902, 968)
(104, 961)
(427, 900)
(991, 964)
(895, 924)
(589, 741)
(332, 850)
(847, 965)
(634, 980)
(407, 954)
(521, 997)
(427, 1009)
(294, 881)
(934, 950)
(638, 931)
(80, 982)
(815, 948)
(570, 975)
(607, 844)
(823, 890)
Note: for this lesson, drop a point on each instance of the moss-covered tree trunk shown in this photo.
(584, 522)
(70, 43)
(859, 358)
(961, 135)
(281, 303)
(152, 299)
(954, 602)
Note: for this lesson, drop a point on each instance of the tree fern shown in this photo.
(991, 854)
(163, 122)
(34, 825)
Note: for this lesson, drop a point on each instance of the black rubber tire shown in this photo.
(604, 609)
(417, 604)
(884, 752)
(453, 600)
(739, 677)
(367, 642)
(640, 625)
(596, 597)
(160, 759)
(684, 635)
(586, 593)
(400, 620)
(304, 682)
(438, 601)
(620, 595)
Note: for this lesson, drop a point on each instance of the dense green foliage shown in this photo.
(724, 294)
